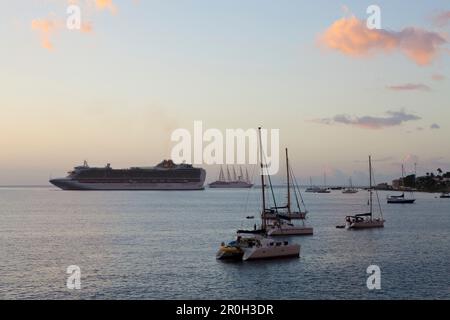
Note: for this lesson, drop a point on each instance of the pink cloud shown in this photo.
(442, 19)
(46, 27)
(409, 87)
(86, 27)
(106, 5)
(438, 77)
(351, 37)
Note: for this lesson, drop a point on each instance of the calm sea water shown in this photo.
(162, 245)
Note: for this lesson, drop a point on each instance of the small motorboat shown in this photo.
(445, 195)
(400, 199)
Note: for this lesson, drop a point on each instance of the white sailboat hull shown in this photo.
(292, 216)
(271, 252)
(366, 224)
(350, 191)
(289, 231)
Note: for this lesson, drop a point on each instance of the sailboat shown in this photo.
(324, 189)
(401, 199)
(366, 220)
(312, 188)
(280, 221)
(256, 244)
(235, 182)
(350, 189)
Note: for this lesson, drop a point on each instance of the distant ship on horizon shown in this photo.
(237, 181)
(165, 176)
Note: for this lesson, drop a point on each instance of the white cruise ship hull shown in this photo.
(67, 184)
(73, 184)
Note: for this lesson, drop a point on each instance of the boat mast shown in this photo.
(221, 175)
(246, 175)
(234, 174)
(403, 179)
(262, 181)
(370, 185)
(228, 174)
(241, 175)
(288, 183)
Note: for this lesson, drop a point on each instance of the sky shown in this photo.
(115, 90)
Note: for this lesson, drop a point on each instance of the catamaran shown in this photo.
(366, 220)
(401, 199)
(256, 244)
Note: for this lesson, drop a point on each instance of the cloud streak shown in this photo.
(106, 5)
(46, 28)
(442, 19)
(351, 37)
(438, 77)
(435, 126)
(393, 118)
(409, 87)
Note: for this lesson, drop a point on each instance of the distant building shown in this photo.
(396, 184)
(383, 186)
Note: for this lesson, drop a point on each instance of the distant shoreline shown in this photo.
(37, 186)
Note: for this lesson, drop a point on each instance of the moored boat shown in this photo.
(256, 244)
(350, 189)
(165, 176)
(279, 220)
(401, 199)
(232, 183)
(366, 220)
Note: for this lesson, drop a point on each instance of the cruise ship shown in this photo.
(165, 176)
